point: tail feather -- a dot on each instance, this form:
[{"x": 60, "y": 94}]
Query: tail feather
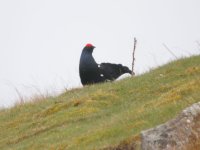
[{"x": 113, "y": 71}]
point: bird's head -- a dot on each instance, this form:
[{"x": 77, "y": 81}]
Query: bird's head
[{"x": 89, "y": 48}]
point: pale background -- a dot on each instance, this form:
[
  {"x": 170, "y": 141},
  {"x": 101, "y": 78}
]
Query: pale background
[{"x": 41, "y": 40}]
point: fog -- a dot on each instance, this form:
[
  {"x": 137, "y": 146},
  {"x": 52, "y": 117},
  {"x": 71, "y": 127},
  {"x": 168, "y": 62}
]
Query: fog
[{"x": 41, "y": 40}]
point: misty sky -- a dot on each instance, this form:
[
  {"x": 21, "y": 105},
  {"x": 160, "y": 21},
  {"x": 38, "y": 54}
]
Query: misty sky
[{"x": 41, "y": 40}]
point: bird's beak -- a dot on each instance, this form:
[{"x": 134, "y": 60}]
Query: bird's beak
[{"x": 94, "y": 47}]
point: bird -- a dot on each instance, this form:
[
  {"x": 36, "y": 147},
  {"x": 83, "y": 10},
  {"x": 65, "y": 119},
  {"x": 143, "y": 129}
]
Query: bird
[{"x": 90, "y": 72}]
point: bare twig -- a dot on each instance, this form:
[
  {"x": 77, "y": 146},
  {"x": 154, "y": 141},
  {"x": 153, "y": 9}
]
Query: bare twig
[
  {"x": 198, "y": 44},
  {"x": 21, "y": 99},
  {"x": 170, "y": 51},
  {"x": 133, "y": 62}
]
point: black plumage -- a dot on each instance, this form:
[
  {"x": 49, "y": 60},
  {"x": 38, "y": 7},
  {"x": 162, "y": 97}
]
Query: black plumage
[{"x": 90, "y": 72}]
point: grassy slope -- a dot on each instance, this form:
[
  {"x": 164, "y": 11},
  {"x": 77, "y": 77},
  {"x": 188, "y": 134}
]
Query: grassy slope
[{"x": 103, "y": 115}]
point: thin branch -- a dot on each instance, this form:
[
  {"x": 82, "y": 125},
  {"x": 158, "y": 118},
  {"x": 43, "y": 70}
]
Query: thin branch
[
  {"x": 198, "y": 44},
  {"x": 133, "y": 62},
  {"x": 21, "y": 99},
  {"x": 170, "y": 51}
]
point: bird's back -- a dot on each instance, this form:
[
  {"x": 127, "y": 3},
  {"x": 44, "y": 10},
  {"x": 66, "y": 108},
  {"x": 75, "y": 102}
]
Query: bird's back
[{"x": 113, "y": 71}]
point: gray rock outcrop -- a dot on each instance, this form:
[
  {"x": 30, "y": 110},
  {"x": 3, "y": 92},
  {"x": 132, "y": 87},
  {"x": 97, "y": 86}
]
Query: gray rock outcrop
[{"x": 181, "y": 133}]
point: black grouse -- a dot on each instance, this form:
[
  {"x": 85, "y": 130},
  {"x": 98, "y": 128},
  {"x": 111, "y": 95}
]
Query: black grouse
[{"x": 90, "y": 72}]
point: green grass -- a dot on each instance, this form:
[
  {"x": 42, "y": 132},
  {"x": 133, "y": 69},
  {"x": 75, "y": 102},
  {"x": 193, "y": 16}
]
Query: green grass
[{"x": 102, "y": 115}]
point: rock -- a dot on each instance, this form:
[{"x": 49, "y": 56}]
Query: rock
[{"x": 181, "y": 133}]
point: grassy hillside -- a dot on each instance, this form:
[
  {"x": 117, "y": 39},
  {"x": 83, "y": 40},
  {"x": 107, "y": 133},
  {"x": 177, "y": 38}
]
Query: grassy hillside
[{"x": 104, "y": 115}]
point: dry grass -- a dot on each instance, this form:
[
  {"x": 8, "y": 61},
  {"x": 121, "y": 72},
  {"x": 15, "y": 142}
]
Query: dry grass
[{"x": 101, "y": 116}]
